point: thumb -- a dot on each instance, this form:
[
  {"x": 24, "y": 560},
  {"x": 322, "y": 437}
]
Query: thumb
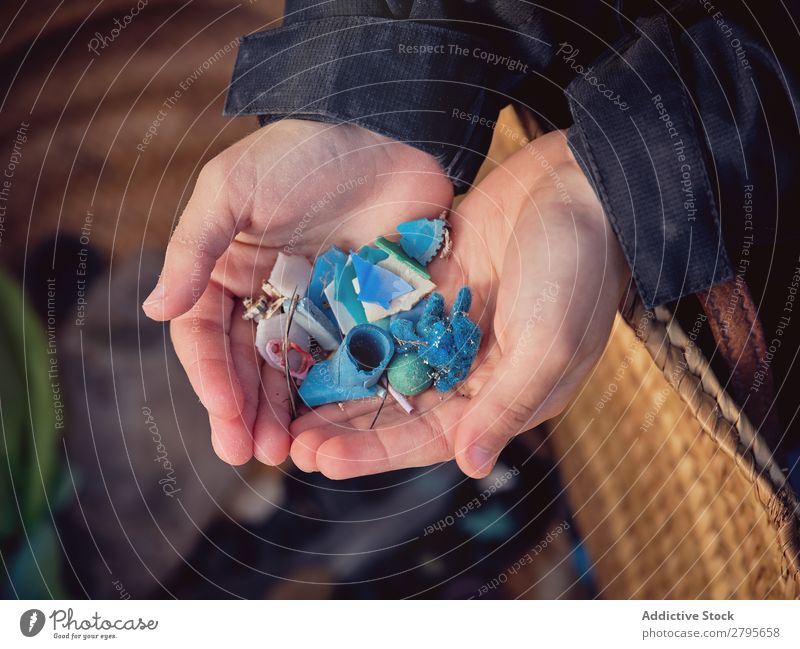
[
  {"x": 205, "y": 230},
  {"x": 514, "y": 399}
]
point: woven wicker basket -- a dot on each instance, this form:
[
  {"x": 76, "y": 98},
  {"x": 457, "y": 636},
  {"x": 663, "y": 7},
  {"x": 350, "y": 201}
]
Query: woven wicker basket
[{"x": 674, "y": 492}]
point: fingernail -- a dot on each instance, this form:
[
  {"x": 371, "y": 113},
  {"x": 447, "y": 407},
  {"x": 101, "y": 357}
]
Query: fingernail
[
  {"x": 480, "y": 458},
  {"x": 156, "y": 296}
]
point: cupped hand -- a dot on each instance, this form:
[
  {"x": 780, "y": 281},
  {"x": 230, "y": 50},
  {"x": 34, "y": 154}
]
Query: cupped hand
[
  {"x": 293, "y": 186},
  {"x": 547, "y": 274}
]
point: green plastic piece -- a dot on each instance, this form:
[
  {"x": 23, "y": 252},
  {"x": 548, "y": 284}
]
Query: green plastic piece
[
  {"x": 396, "y": 251},
  {"x": 408, "y": 374}
]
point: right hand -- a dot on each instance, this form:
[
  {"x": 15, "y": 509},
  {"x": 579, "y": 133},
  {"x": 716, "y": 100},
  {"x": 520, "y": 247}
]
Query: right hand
[
  {"x": 546, "y": 271},
  {"x": 252, "y": 201}
]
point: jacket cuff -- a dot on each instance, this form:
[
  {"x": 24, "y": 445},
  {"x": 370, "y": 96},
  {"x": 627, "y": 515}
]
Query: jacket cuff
[
  {"x": 644, "y": 157},
  {"x": 409, "y": 81}
]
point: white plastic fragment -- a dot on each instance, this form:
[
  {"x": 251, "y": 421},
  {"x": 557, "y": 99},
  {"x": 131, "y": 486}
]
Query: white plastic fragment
[
  {"x": 401, "y": 399},
  {"x": 289, "y": 274}
]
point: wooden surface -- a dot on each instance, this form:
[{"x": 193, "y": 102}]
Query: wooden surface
[{"x": 88, "y": 113}]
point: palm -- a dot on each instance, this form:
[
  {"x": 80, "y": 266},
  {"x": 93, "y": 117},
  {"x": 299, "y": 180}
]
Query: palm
[
  {"x": 351, "y": 446},
  {"x": 295, "y": 187},
  {"x": 546, "y": 277}
]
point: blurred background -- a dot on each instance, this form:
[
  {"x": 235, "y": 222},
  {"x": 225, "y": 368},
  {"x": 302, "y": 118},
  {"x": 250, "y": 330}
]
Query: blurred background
[{"x": 108, "y": 484}]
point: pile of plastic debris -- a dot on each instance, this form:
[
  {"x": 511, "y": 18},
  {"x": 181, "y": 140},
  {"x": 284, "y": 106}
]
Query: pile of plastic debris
[{"x": 359, "y": 325}]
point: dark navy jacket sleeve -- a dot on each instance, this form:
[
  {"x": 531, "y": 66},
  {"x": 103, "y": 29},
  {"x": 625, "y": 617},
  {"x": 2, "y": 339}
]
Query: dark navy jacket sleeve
[
  {"x": 433, "y": 73},
  {"x": 705, "y": 108},
  {"x": 676, "y": 111}
]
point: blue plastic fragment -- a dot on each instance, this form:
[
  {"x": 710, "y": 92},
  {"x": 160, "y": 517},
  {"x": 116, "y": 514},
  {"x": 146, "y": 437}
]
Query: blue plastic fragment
[
  {"x": 448, "y": 344},
  {"x": 345, "y": 305},
  {"x": 421, "y": 239},
  {"x": 378, "y": 285},
  {"x": 413, "y": 314},
  {"x": 315, "y": 323},
  {"x": 353, "y": 371},
  {"x": 324, "y": 272}
]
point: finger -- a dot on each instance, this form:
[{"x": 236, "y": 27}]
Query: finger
[
  {"x": 401, "y": 441},
  {"x": 204, "y": 232},
  {"x": 509, "y": 403},
  {"x": 201, "y": 342},
  {"x": 533, "y": 350},
  {"x": 271, "y": 438},
  {"x": 326, "y": 422},
  {"x": 320, "y": 424},
  {"x": 233, "y": 437},
  {"x": 334, "y": 413},
  {"x": 231, "y": 440},
  {"x": 305, "y": 446}
]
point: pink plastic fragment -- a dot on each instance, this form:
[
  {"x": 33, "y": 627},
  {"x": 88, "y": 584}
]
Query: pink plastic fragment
[{"x": 299, "y": 367}]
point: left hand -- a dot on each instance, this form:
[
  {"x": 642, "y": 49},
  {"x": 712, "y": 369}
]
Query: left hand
[
  {"x": 296, "y": 185},
  {"x": 547, "y": 274}
]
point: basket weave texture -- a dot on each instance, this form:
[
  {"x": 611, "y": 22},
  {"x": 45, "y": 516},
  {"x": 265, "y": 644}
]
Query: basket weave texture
[{"x": 673, "y": 490}]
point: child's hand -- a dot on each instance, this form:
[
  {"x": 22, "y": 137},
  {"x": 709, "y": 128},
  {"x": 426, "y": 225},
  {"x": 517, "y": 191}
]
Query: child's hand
[
  {"x": 255, "y": 199},
  {"x": 547, "y": 275}
]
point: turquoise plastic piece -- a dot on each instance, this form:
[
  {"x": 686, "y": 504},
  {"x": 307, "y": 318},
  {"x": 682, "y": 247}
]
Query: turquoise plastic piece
[
  {"x": 372, "y": 255},
  {"x": 324, "y": 272},
  {"x": 447, "y": 343},
  {"x": 408, "y": 374},
  {"x": 378, "y": 285},
  {"x": 421, "y": 239},
  {"x": 347, "y": 308},
  {"x": 353, "y": 371}
]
